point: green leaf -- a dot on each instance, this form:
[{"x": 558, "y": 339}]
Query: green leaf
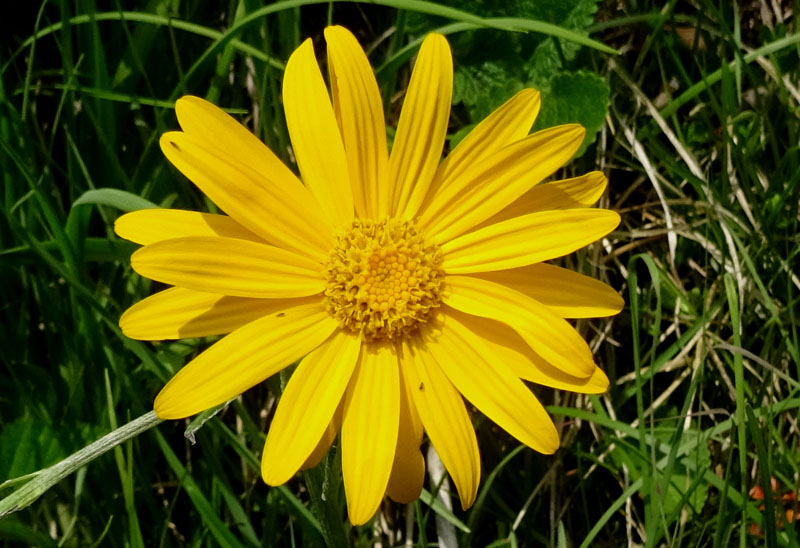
[
  {"x": 12, "y": 530},
  {"x": 200, "y": 420},
  {"x": 436, "y": 505},
  {"x": 685, "y": 487},
  {"x": 216, "y": 527},
  {"x": 580, "y": 97},
  {"x": 551, "y": 54},
  {"x": 484, "y": 87},
  {"x": 101, "y": 250},
  {"x": 486, "y": 77},
  {"x": 28, "y": 445},
  {"x": 115, "y": 198},
  {"x": 31, "y": 443},
  {"x": 38, "y": 483},
  {"x": 684, "y": 484}
]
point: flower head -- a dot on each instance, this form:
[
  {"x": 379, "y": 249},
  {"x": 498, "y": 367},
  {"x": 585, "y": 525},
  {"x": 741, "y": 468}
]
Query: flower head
[{"x": 402, "y": 284}]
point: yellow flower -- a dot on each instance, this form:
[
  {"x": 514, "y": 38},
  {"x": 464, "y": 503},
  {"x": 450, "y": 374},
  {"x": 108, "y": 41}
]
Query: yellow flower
[{"x": 399, "y": 282}]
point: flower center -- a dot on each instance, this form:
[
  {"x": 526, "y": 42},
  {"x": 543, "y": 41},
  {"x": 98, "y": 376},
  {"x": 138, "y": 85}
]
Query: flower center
[{"x": 383, "y": 279}]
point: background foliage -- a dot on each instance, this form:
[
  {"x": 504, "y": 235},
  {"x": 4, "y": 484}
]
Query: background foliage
[{"x": 696, "y": 124}]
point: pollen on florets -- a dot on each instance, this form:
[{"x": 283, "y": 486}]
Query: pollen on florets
[{"x": 384, "y": 280}]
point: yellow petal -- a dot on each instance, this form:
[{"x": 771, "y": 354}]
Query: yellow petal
[
  {"x": 510, "y": 122},
  {"x": 547, "y": 334},
  {"x": 498, "y": 180},
  {"x": 577, "y": 192},
  {"x": 244, "y": 358},
  {"x": 369, "y": 430},
  {"x": 422, "y": 127},
  {"x": 527, "y": 239},
  {"x": 315, "y": 136},
  {"x": 179, "y": 313},
  {"x": 491, "y": 386},
  {"x": 567, "y": 293},
  {"x": 307, "y": 406},
  {"x": 408, "y": 468},
  {"x": 285, "y": 215},
  {"x": 583, "y": 191},
  {"x": 445, "y": 418},
  {"x": 510, "y": 349},
  {"x": 229, "y": 267},
  {"x": 327, "y": 438},
  {"x": 359, "y": 110},
  {"x": 227, "y": 138},
  {"x": 148, "y": 226}
]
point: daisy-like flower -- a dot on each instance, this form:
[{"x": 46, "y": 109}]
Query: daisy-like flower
[{"x": 399, "y": 282}]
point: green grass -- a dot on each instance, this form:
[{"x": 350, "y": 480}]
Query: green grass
[{"x": 698, "y": 122}]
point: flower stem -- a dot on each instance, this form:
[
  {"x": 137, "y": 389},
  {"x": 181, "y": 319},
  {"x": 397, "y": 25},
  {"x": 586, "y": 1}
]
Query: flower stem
[{"x": 47, "y": 477}]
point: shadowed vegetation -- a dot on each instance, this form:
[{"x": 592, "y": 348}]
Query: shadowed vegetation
[{"x": 696, "y": 122}]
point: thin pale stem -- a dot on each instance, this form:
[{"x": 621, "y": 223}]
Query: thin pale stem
[{"x": 47, "y": 477}]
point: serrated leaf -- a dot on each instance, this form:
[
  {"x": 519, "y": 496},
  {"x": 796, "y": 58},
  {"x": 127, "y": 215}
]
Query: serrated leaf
[
  {"x": 485, "y": 77},
  {"x": 484, "y": 87},
  {"x": 579, "y": 97},
  {"x": 550, "y": 54}
]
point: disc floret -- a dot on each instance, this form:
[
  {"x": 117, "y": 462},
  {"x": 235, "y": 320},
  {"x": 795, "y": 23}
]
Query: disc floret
[{"x": 384, "y": 280}]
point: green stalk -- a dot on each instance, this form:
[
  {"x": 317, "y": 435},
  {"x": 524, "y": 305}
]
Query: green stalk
[{"x": 46, "y": 478}]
